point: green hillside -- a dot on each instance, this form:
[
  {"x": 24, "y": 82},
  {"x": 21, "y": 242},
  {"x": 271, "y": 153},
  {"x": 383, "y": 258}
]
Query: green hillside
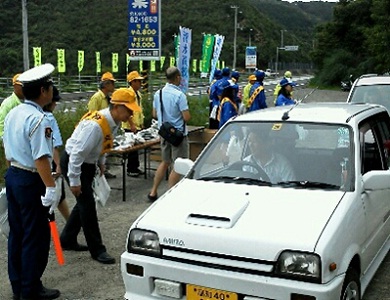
[{"x": 100, "y": 25}]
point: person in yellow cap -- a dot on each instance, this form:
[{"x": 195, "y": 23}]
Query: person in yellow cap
[
  {"x": 100, "y": 100},
  {"x": 85, "y": 150},
  {"x": 12, "y": 101},
  {"x": 247, "y": 88},
  {"x": 287, "y": 75},
  {"x": 135, "y": 123}
]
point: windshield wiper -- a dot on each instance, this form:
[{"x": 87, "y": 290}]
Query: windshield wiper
[
  {"x": 309, "y": 184},
  {"x": 236, "y": 180}
]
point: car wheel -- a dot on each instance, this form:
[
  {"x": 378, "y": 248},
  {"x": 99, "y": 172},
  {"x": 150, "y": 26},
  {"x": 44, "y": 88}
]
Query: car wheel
[{"x": 351, "y": 286}]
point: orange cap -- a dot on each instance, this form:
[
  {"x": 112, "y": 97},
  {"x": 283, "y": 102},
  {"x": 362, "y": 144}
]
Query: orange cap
[
  {"x": 252, "y": 77},
  {"x": 108, "y": 76},
  {"x": 134, "y": 75},
  {"x": 125, "y": 97},
  {"x": 15, "y": 80}
]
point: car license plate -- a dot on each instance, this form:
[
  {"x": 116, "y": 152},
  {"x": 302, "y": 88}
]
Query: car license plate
[{"x": 195, "y": 292}]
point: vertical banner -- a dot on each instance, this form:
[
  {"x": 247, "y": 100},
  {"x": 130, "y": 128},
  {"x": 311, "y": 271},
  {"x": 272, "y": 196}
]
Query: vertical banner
[
  {"x": 162, "y": 61},
  {"x": 184, "y": 57},
  {"x": 98, "y": 63},
  {"x": 217, "y": 51},
  {"x": 171, "y": 61},
  {"x": 250, "y": 58},
  {"x": 200, "y": 65},
  {"x": 80, "y": 60},
  {"x": 141, "y": 65},
  {"x": 127, "y": 62},
  {"x": 61, "y": 60},
  {"x": 115, "y": 58},
  {"x": 176, "y": 45},
  {"x": 194, "y": 65},
  {"x": 152, "y": 66},
  {"x": 207, "y": 52},
  {"x": 37, "y": 51}
]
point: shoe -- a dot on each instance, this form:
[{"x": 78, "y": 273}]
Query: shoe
[
  {"x": 133, "y": 174},
  {"x": 45, "y": 294},
  {"x": 109, "y": 175},
  {"x": 105, "y": 258},
  {"x": 76, "y": 247},
  {"x": 152, "y": 198}
]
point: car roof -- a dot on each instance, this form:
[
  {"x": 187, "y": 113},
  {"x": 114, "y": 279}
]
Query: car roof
[
  {"x": 316, "y": 112},
  {"x": 371, "y": 79}
]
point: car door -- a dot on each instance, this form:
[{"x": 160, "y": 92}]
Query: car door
[{"x": 373, "y": 135}]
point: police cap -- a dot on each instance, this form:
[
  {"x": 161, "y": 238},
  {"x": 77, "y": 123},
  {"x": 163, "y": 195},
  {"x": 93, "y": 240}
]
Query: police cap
[{"x": 36, "y": 75}]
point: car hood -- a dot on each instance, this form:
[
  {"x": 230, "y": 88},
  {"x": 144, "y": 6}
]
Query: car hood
[{"x": 238, "y": 219}]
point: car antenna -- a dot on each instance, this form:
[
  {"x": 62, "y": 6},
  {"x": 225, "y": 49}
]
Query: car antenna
[{"x": 285, "y": 114}]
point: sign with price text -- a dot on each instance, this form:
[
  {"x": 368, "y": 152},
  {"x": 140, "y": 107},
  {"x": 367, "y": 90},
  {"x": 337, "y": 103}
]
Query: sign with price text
[{"x": 144, "y": 29}]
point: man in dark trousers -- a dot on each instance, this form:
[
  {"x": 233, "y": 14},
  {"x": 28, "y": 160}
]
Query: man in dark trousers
[
  {"x": 84, "y": 151},
  {"x": 28, "y": 144}
]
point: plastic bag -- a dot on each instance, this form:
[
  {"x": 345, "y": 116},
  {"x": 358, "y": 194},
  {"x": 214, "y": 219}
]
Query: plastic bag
[
  {"x": 4, "y": 225},
  {"x": 101, "y": 189}
]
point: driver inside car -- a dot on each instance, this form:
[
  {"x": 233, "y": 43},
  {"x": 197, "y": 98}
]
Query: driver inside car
[{"x": 275, "y": 165}]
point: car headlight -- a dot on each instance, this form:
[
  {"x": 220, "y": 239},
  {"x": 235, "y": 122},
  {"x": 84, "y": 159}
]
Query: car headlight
[
  {"x": 299, "y": 265},
  {"x": 143, "y": 242}
]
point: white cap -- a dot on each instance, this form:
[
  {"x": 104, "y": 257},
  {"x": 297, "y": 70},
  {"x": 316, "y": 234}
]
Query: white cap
[{"x": 36, "y": 73}]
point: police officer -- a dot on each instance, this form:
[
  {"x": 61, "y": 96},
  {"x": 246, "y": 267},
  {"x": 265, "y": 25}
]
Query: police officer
[
  {"x": 30, "y": 186},
  {"x": 86, "y": 148}
]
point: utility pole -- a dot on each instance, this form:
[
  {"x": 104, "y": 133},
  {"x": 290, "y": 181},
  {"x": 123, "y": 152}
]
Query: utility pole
[
  {"x": 235, "y": 7},
  {"x": 26, "y": 59}
]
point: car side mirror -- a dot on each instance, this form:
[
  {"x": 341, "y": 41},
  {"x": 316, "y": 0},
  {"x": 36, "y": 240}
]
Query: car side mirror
[
  {"x": 183, "y": 165},
  {"x": 376, "y": 180}
]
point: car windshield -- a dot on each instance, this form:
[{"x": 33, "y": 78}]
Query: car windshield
[
  {"x": 376, "y": 94},
  {"x": 298, "y": 155}
]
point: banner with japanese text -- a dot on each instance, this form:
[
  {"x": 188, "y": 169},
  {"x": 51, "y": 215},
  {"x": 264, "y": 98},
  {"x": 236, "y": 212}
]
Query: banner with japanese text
[
  {"x": 98, "y": 63},
  {"x": 207, "y": 52},
  {"x": 184, "y": 57},
  {"x": 194, "y": 65},
  {"x": 162, "y": 61},
  {"x": 61, "y": 65},
  {"x": 37, "y": 51},
  {"x": 80, "y": 60},
  {"x": 115, "y": 58},
  {"x": 217, "y": 52},
  {"x": 127, "y": 62},
  {"x": 171, "y": 61},
  {"x": 152, "y": 66}
]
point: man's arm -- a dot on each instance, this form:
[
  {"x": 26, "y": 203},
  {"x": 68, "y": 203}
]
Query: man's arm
[
  {"x": 44, "y": 170},
  {"x": 186, "y": 115}
]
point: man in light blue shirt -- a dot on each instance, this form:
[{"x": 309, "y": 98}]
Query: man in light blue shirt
[{"x": 174, "y": 110}]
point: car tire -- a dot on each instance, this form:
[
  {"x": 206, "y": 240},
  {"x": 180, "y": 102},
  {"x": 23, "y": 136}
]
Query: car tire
[{"x": 351, "y": 286}]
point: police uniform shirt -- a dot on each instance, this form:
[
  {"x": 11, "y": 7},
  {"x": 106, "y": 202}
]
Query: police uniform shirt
[
  {"x": 57, "y": 139},
  {"x": 85, "y": 146},
  {"x": 27, "y": 135}
]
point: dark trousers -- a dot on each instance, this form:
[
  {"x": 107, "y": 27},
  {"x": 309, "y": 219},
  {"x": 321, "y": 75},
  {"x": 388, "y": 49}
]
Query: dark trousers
[
  {"x": 132, "y": 159},
  {"x": 29, "y": 237},
  {"x": 84, "y": 212}
]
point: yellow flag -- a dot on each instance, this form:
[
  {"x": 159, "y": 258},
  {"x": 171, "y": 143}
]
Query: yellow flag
[
  {"x": 153, "y": 66},
  {"x": 141, "y": 65},
  {"x": 98, "y": 63},
  {"x": 37, "y": 56},
  {"x": 115, "y": 62},
  {"x": 61, "y": 65},
  {"x": 194, "y": 64},
  {"x": 171, "y": 61},
  {"x": 162, "y": 60},
  {"x": 80, "y": 60}
]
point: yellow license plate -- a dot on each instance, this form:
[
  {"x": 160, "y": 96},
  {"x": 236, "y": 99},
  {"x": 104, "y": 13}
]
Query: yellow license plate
[{"x": 195, "y": 292}]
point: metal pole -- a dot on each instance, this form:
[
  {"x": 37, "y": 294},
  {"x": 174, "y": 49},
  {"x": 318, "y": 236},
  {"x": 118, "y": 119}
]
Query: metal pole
[
  {"x": 235, "y": 36},
  {"x": 26, "y": 59},
  {"x": 276, "y": 61}
]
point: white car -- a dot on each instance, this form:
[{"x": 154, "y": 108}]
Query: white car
[{"x": 284, "y": 203}]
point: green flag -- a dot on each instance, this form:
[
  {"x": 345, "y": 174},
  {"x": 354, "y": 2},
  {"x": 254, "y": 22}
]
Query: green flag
[
  {"x": 37, "y": 56},
  {"x": 153, "y": 66},
  {"x": 61, "y": 65},
  {"x": 115, "y": 62},
  {"x": 98, "y": 63},
  {"x": 127, "y": 62},
  {"x": 207, "y": 52},
  {"x": 171, "y": 61},
  {"x": 141, "y": 65},
  {"x": 80, "y": 60}
]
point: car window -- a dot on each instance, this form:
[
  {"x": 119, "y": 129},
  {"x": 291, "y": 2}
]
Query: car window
[
  {"x": 284, "y": 151},
  {"x": 375, "y": 94}
]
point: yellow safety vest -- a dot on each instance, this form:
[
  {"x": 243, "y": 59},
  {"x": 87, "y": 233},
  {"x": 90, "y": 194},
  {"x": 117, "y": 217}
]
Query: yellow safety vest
[{"x": 254, "y": 95}]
